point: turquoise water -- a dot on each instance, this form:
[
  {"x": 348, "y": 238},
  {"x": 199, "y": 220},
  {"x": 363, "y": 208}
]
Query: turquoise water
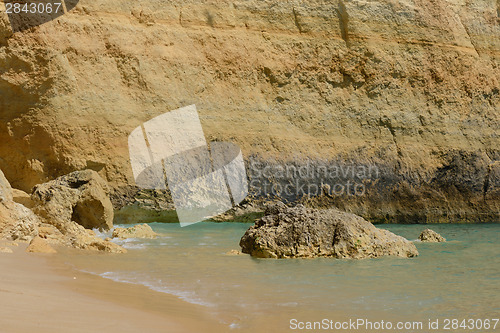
[{"x": 458, "y": 279}]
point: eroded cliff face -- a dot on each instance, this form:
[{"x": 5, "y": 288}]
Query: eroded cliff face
[{"x": 411, "y": 87}]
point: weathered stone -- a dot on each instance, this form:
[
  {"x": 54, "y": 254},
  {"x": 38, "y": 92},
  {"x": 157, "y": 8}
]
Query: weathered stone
[
  {"x": 72, "y": 203},
  {"x": 16, "y": 221},
  {"x": 39, "y": 245},
  {"x": 24, "y": 224},
  {"x": 87, "y": 240},
  {"x": 5, "y": 189},
  {"x": 81, "y": 196},
  {"x": 138, "y": 231},
  {"x": 300, "y": 232},
  {"x": 78, "y": 197},
  {"x": 23, "y": 198},
  {"x": 431, "y": 236}
]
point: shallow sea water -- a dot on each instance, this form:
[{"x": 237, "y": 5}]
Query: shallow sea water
[{"x": 459, "y": 279}]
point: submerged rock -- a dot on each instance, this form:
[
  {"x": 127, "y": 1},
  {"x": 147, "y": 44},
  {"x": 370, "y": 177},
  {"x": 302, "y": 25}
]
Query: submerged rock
[
  {"x": 138, "y": 231},
  {"x": 233, "y": 253},
  {"x": 431, "y": 236},
  {"x": 81, "y": 196},
  {"x": 300, "y": 232}
]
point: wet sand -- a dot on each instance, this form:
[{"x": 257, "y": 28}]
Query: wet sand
[{"x": 39, "y": 293}]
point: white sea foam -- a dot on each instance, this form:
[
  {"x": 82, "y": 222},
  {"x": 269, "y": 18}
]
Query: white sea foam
[
  {"x": 103, "y": 234},
  {"x": 187, "y": 296}
]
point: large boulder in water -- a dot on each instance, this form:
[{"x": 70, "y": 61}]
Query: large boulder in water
[
  {"x": 81, "y": 196},
  {"x": 301, "y": 232}
]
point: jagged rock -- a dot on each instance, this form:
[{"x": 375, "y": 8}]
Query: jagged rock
[
  {"x": 72, "y": 203},
  {"x": 39, "y": 245},
  {"x": 431, "y": 236},
  {"x": 16, "y": 221},
  {"x": 81, "y": 196},
  {"x": 22, "y": 197},
  {"x": 138, "y": 231},
  {"x": 24, "y": 225},
  {"x": 78, "y": 197},
  {"x": 87, "y": 240},
  {"x": 300, "y": 232}
]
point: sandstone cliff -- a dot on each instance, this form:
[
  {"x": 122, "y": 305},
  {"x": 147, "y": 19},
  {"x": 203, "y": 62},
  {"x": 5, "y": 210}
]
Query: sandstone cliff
[{"x": 410, "y": 87}]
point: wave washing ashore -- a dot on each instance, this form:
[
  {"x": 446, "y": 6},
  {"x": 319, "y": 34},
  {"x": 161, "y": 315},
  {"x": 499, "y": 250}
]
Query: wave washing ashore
[{"x": 458, "y": 279}]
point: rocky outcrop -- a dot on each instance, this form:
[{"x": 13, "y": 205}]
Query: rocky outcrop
[
  {"x": 21, "y": 225},
  {"x": 39, "y": 245},
  {"x": 81, "y": 196},
  {"x": 86, "y": 239},
  {"x": 71, "y": 206},
  {"x": 16, "y": 221},
  {"x": 431, "y": 236},
  {"x": 410, "y": 87},
  {"x": 305, "y": 233},
  {"x": 138, "y": 231}
]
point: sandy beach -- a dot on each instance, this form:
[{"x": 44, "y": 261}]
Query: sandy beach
[{"x": 38, "y": 293}]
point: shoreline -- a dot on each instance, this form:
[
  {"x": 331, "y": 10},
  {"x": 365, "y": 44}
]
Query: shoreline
[{"x": 41, "y": 292}]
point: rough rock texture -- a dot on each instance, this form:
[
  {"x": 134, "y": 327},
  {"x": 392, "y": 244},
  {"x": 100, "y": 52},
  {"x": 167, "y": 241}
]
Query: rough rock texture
[
  {"x": 39, "y": 245},
  {"x": 138, "y": 231},
  {"x": 55, "y": 202},
  {"x": 81, "y": 196},
  {"x": 431, "y": 236},
  {"x": 16, "y": 221},
  {"x": 86, "y": 239},
  {"x": 300, "y": 232},
  {"x": 70, "y": 204},
  {"x": 23, "y": 198},
  {"x": 409, "y": 86}
]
